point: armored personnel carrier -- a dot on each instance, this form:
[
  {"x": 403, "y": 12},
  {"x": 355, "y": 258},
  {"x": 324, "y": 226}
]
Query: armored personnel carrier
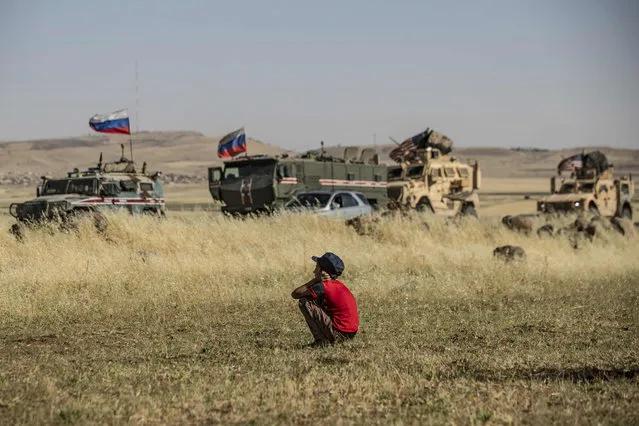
[
  {"x": 109, "y": 186},
  {"x": 590, "y": 187},
  {"x": 429, "y": 179},
  {"x": 260, "y": 183}
]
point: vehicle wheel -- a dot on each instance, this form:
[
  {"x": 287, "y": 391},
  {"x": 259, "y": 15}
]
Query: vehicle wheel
[
  {"x": 626, "y": 213},
  {"x": 593, "y": 210},
  {"x": 469, "y": 210},
  {"x": 423, "y": 206}
]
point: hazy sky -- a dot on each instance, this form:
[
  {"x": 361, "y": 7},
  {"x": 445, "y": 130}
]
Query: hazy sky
[{"x": 486, "y": 73}]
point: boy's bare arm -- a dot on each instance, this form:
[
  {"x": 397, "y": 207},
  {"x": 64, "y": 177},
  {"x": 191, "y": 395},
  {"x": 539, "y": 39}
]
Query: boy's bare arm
[{"x": 302, "y": 291}]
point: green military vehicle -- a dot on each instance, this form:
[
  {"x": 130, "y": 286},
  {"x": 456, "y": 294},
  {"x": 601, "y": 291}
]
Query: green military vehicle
[
  {"x": 109, "y": 186},
  {"x": 428, "y": 179},
  {"x": 260, "y": 183},
  {"x": 590, "y": 187}
]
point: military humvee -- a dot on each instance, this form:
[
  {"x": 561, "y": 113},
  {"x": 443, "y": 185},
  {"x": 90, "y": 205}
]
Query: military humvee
[
  {"x": 260, "y": 183},
  {"x": 591, "y": 188},
  {"x": 109, "y": 186},
  {"x": 428, "y": 179}
]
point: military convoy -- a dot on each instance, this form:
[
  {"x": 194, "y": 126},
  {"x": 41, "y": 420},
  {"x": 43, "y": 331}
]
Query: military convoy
[
  {"x": 260, "y": 183},
  {"x": 591, "y": 187},
  {"x": 115, "y": 185},
  {"x": 428, "y": 179}
]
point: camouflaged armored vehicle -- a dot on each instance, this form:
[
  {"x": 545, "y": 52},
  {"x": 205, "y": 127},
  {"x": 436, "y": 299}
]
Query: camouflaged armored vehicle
[
  {"x": 260, "y": 183},
  {"x": 591, "y": 187},
  {"x": 429, "y": 179},
  {"x": 109, "y": 186}
]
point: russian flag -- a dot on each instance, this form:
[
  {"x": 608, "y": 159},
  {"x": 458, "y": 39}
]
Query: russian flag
[
  {"x": 116, "y": 122},
  {"x": 232, "y": 144}
]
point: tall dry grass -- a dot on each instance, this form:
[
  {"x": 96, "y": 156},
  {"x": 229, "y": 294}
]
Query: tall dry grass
[
  {"x": 208, "y": 258},
  {"x": 189, "y": 319}
]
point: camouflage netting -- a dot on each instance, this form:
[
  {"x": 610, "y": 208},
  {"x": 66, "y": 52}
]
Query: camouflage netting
[
  {"x": 595, "y": 160},
  {"x": 437, "y": 140},
  {"x": 120, "y": 167},
  {"x": 428, "y": 138}
]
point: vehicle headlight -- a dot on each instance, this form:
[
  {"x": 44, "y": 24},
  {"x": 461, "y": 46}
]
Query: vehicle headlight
[{"x": 577, "y": 203}]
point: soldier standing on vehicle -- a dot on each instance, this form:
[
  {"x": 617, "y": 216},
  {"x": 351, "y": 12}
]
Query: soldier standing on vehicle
[{"x": 327, "y": 304}]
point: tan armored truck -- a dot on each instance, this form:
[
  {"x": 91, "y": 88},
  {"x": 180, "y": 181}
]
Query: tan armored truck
[
  {"x": 428, "y": 179},
  {"x": 591, "y": 187}
]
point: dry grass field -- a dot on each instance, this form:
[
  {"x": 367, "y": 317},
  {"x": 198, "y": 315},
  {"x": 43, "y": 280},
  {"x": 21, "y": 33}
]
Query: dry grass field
[{"x": 189, "y": 321}]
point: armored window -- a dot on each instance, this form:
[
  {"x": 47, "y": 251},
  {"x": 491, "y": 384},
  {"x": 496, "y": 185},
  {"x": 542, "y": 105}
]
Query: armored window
[
  {"x": 378, "y": 178},
  {"x": 82, "y": 186},
  {"x": 128, "y": 185},
  {"x": 625, "y": 190},
  {"x": 110, "y": 189},
  {"x": 351, "y": 176},
  {"x": 284, "y": 171},
  {"x": 215, "y": 174},
  {"x": 53, "y": 187},
  {"x": 348, "y": 201},
  {"x": 394, "y": 173},
  {"x": 415, "y": 171},
  {"x": 436, "y": 173},
  {"x": 464, "y": 173},
  {"x": 231, "y": 172},
  {"x": 146, "y": 186},
  {"x": 450, "y": 172}
]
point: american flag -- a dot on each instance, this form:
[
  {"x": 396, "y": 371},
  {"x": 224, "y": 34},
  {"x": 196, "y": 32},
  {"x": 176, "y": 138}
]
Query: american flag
[
  {"x": 570, "y": 164},
  {"x": 405, "y": 148}
]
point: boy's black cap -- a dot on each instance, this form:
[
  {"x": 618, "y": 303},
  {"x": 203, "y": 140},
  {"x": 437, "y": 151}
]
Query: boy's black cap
[{"x": 331, "y": 263}]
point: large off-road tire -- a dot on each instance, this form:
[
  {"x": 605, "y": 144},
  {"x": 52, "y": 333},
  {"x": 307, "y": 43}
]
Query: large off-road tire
[
  {"x": 469, "y": 210},
  {"x": 626, "y": 213},
  {"x": 593, "y": 210},
  {"x": 424, "y": 206}
]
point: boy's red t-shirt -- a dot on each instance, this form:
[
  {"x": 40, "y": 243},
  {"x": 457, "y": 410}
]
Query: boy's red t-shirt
[{"x": 339, "y": 303}]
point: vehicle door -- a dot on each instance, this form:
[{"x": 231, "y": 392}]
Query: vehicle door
[
  {"x": 215, "y": 180},
  {"x": 606, "y": 199},
  {"x": 436, "y": 186},
  {"x": 286, "y": 180},
  {"x": 348, "y": 207}
]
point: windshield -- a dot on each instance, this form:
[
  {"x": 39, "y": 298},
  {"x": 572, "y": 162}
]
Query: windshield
[
  {"x": 53, "y": 187},
  {"x": 394, "y": 173},
  {"x": 311, "y": 200},
  {"x": 573, "y": 187},
  {"x": 236, "y": 171},
  {"x": 415, "y": 171},
  {"x": 70, "y": 186}
]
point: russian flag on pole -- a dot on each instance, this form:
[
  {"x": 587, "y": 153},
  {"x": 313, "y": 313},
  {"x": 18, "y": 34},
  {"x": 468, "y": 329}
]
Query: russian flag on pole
[
  {"x": 116, "y": 122},
  {"x": 232, "y": 144}
]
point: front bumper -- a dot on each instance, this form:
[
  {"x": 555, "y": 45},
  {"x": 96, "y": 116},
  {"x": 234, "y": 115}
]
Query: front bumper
[{"x": 560, "y": 207}]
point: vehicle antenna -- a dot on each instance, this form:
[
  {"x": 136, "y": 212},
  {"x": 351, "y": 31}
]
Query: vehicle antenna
[{"x": 100, "y": 162}]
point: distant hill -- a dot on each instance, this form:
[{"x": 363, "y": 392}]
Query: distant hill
[
  {"x": 190, "y": 153},
  {"x": 172, "y": 152}
]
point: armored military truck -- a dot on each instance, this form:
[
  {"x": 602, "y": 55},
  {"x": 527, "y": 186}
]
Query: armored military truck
[
  {"x": 590, "y": 187},
  {"x": 429, "y": 179},
  {"x": 109, "y": 186},
  {"x": 260, "y": 183}
]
